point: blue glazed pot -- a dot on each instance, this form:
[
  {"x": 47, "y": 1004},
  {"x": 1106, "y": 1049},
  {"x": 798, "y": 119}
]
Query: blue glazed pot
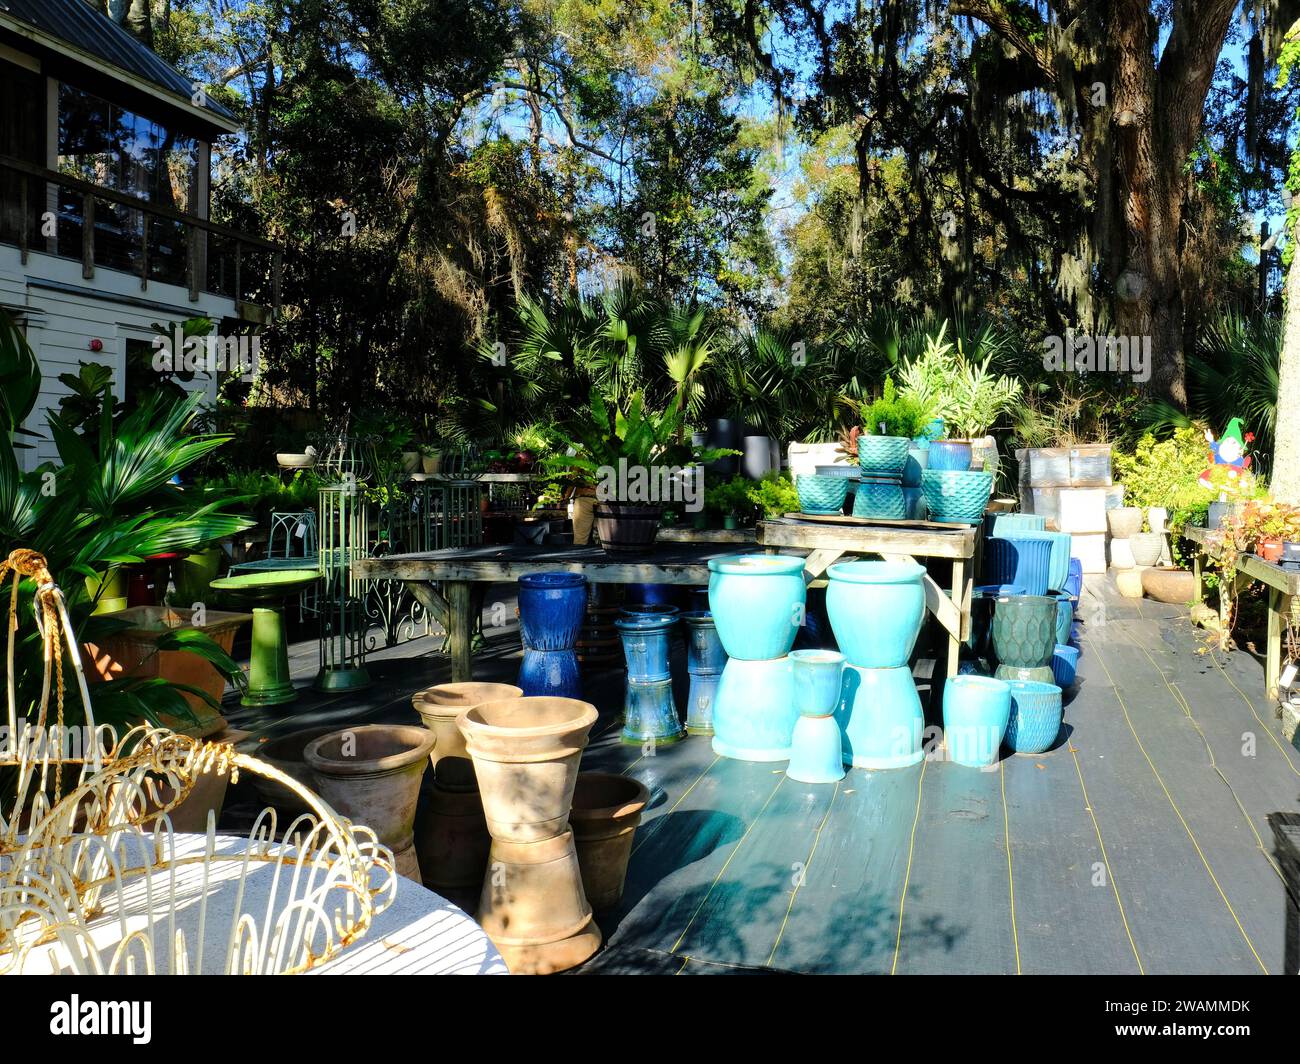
[
  {"x": 816, "y": 681},
  {"x": 650, "y": 714},
  {"x": 953, "y": 495},
  {"x": 700, "y": 700},
  {"x": 1035, "y": 718},
  {"x": 885, "y": 501},
  {"x": 1074, "y": 581},
  {"x": 649, "y": 609},
  {"x": 950, "y": 454},
  {"x": 876, "y": 610},
  {"x": 918, "y": 460},
  {"x": 754, "y": 716},
  {"x": 1058, "y": 568},
  {"x": 652, "y": 594},
  {"x": 883, "y": 455},
  {"x": 982, "y": 613},
  {"x": 1018, "y": 559},
  {"x": 551, "y": 608},
  {"x": 757, "y": 602},
  {"x": 821, "y": 494},
  {"x": 1000, "y": 524},
  {"x": 816, "y": 754},
  {"x": 550, "y": 672},
  {"x": 1065, "y": 663},
  {"x": 704, "y": 651},
  {"x": 880, "y": 718},
  {"x": 914, "y": 501},
  {"x": 645, "y": 646},
  {"x": 1064, "y": 615},
  {"x": 1024, "y": 630},
  {"x": 975, "y": 714}
]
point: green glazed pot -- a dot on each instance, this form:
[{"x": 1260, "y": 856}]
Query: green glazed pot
[{"x": 1024, "y": 631}]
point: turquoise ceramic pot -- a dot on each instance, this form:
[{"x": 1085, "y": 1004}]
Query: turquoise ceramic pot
[
  {"x": 884, "y": 501},
  {"x": 754, "y": 716},
  {"x": 876, "y": 610},
  {"x": 934, "y": 430},
  {"x": 821, "y": 494},
  {"x": 918, "y": 460},
  {"x": 880, "y": 717},
  {"x": 883, "y": 455},
  {"x": 1058, "y": 565},
  {"x": 914, "y": 501},
  {"x": 645, "y": 646},
  {"x": 1014, "y": 558},
  {"x": 949, "y": 454},
  {"x": 1037, "y": 674},
  {"x": 998, "y": 524},
  {"x": 1064, "y": 615},
  {"x": 1035, "y": 719},
  {"x": 1024, "y": 630},
  {"x": 1065, "y": 663},
  {"x": 650, "y": 714},
  {"x": 757, "y": 602},
  {"x": 815, "y": 751},
  {"x": 816, "y": 681},
  {"x": 954, "y": 495},
  {"x": 975, "y": 714}
]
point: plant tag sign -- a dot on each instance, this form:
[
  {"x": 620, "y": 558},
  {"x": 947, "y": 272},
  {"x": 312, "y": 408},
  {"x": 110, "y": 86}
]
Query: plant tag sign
[
  {"x": 1288, "y": 674},
  {"x": 300, "y": 530}
]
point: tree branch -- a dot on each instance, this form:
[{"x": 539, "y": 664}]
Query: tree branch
[{"x": 1017, "y": 28}]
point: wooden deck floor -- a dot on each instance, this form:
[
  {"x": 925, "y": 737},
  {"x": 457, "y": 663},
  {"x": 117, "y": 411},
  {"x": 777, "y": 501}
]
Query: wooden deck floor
[{"x": 1138, "y": 844}]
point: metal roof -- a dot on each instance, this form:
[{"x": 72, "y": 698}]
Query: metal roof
[{"x": 78, "y": 24}]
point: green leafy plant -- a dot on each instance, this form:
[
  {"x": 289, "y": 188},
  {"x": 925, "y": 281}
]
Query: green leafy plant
[
  {"x": 775, "y": 494},
  {"x": 894, "y": 414},
  {"x": 967, "y": 393},
  {"x": 1164, "y": 472},
  {"x": 730, "y": 497}
]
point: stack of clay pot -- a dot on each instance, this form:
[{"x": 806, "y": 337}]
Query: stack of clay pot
[
  {"x": 1133, "y": 551},
  {"x": 533, "y": 905}
]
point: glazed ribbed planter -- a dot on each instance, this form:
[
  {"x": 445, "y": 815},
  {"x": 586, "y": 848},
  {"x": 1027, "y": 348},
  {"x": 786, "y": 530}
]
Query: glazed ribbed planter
[
  {"x": 286, "y": 753},
  {"x": 550, "y": 674},
  {"x": 757, "y": 602},
  {"x": 755, "y": 712},
  {"x": 452, "y": 838},
  {"x": 606, "y": 811},
  {"x": 1014, "y": 558},
  {"x": 918, "y": 460},
  {"x": 551, "y": 609},
  {"x": 1035, "y": 718},
  {"x": 975, "y": 714},
  {"x": 1124, "y": 521},
  {"x": 705, "y": 660},
  {"x": 526, "y": 753},
  {"x": 1057, "y": 571},
  {"x": 626, "y": 527},
  {"x": 821, "y": 494},
  {"x": 950, "y": 454},
  {"x": 440, "y": 705},
  {"x": 1146, "y": 547},
  {"x": 371, "y": 775},
  {"x": 880, "y": 718},
  {"x": 1000, "y": 524},
  {"x": 876, "y": 610},
  {"x": 1065, "y": 663},
  {"x": 1024, "y": 630},
  {"x": 883, "y": 455},
  {"x": 1037, "y": 674},
  {"x": 1074, "y": 579},
  {"x": 953, "y": 495},
  {"x": 881, "y": 500}
]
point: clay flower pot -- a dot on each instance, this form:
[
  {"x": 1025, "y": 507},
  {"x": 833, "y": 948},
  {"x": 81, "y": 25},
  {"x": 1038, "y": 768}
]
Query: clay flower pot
[
  {"x": 1269, "y": 548},
  {"x": 371, "y": 775},
  {"x": 1147, "y": 547},
  {"x": 606, "y": 811},
  {"x": 287, "y": 754},
  {"x": 1169, "y": 584},
  {"x": 1124, "y": 521},
  {"x": 440, "y": 705},
  {"x": 526, "y": 753},
  {"x": 452, "y": 839}
]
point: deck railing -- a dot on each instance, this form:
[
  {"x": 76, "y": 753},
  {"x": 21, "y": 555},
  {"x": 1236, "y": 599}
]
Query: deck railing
[{"x": 43, "y": 210}]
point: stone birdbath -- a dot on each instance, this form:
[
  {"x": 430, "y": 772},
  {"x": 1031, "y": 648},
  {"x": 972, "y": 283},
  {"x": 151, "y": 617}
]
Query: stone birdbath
[{"x": 266, "y": 593}]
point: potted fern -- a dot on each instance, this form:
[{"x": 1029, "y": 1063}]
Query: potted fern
[{"x": 889, "y": 424}]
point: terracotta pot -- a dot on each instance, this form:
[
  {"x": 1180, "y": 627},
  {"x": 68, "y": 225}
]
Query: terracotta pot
[
  {"x": 1147, "y": 547},
  {"x": 1124, "y": 521},
  {"x": 440, "y": 705},
  {"x": 191, "y": 815},
  {"x": 606, "y": 811},
  {"x": 452, "y": 840},
  {"x": 1269, "y": 548},
  {"x": 371, "y": 775},
  {"x": 526, "y": 753},
  {"x": 287, "y": 753},
  {"x": 533, "y": 907},
  {"x": 1169, "y": 584}
]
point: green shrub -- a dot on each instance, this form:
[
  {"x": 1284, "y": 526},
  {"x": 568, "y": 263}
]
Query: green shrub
[{"x": 894, "y": 414}]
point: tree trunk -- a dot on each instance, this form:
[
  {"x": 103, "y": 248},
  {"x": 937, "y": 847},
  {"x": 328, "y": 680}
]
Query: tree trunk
[{"x": 1285, "y": 481}]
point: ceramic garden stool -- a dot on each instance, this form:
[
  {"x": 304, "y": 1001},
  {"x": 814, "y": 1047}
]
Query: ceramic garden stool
[
  {"x": 649, "y": 712},
  {"x": 1036, "y": 716},
  {"x": 269, "y": 683},
  {"x": 551, "y": 611},
  {"x": 533, "y": 906},
  {"x": 975, "y": 714},
  {"x": 705, "y": 660},
  {"x": 371, "y": 774},
  {"x": 816, "y": 750},
  {"x": 757, "y": 602}
]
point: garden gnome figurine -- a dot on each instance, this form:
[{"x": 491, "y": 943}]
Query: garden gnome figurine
[{"x": 1229, "y": 451}]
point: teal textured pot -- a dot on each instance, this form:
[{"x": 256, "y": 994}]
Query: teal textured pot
[
  {"x": 754, "y": 716},
  {"x": 949, "y": 454},
  {"x": 816, "y": 681},
  {"x": 819, "y": 494},
  {"x": 816, "y": 751},
  {"x": 954, "y": 495},
  {"x": 880, "y": 718},
  {"x": 876, "y": 610},
  {"x": 883, "y": 455},
  {"x": 1035, "y": 719},
  {"x": 757, "y": 602},
  {"x": 1064, "y": 615},
  {"x": 975, "y": 714},
  {"x": 996, "y": 524},
  {"x": 1024, "y": 630},
  {"x": 881, "y": 500},
  {"x": 1037, "y": 674}
]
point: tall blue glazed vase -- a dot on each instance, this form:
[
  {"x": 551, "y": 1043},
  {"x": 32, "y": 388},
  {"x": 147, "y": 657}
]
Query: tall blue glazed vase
[{"x": 551, "y": 610}]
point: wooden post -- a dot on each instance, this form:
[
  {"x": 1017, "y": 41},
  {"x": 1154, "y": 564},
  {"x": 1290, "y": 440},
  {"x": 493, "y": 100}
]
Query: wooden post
[
  {"x": 1273, "y": 652},
  {"x": 461, "y": 630},
  {"x": 87, "y": 236},
  {"x": 192, "y": 262}
]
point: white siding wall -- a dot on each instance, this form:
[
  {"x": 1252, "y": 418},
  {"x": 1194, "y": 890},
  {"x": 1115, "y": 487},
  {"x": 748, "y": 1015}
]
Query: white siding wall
[{"x": 62, "y": 322}]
